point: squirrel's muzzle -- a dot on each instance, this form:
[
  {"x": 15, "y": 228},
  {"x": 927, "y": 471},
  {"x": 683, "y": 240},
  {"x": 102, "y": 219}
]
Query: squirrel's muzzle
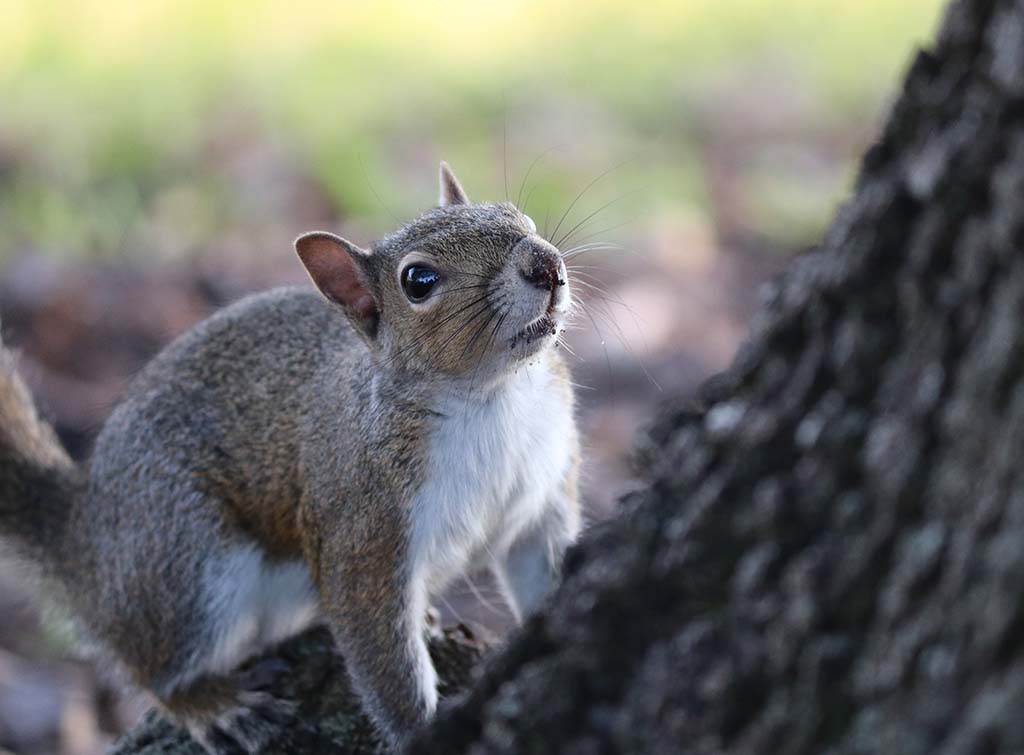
[{"x": 541, "y": 264}]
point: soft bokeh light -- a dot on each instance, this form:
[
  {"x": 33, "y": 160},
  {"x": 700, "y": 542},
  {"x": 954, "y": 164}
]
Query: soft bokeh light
[{"x": 108, "y": 106}]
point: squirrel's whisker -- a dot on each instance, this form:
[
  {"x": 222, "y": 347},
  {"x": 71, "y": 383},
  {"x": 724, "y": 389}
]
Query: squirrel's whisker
[
  {"x": 422, "y": 339},
  {"x": 526, "y": 178},
  {"x": 568, "y": 235},
  {"x": 609, "y": 229},
  {"x": 588, "y": 248},
  {"x": 579, "y": 196},
  {"x": 448, "y": 291},
  {"x": 610, "y": 320}
]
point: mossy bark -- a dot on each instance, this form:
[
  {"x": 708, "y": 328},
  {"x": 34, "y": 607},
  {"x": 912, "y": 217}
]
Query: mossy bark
[{"x": 827, "y": 553}]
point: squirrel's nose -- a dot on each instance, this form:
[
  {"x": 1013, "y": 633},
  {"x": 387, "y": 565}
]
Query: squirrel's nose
[{"x": 543, "y": 269}]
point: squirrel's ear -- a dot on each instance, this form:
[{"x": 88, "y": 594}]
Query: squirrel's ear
[
  {"x": 451, "y": 190},
  {"x": 335, "y": 265}
]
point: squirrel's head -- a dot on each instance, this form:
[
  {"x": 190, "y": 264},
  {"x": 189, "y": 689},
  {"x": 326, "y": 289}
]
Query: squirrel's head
[{"x": 464, "y": 289}]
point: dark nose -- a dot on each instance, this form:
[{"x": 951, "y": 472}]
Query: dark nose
[{"x": 543, "y": 269}]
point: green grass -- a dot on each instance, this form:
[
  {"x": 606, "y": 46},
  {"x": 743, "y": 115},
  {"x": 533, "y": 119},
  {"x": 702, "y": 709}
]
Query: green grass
[{"x": 108, "y": 106}]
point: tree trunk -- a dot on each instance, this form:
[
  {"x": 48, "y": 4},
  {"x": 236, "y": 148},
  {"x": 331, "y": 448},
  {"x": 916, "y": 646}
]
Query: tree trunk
[{"x": 827, "y": 555}]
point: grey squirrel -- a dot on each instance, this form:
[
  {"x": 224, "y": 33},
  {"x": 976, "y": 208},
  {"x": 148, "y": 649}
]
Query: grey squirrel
[{"x": 300, "y": 458}]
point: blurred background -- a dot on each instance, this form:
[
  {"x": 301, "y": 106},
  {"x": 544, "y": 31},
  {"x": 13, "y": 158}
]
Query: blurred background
[{"x": 157, "y": 158}]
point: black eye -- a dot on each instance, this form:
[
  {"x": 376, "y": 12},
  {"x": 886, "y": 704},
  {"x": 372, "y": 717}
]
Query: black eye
[{"x": 418, "y": 281}]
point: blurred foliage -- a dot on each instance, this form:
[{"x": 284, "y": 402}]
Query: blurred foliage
[{"x": 111, "y": 108}]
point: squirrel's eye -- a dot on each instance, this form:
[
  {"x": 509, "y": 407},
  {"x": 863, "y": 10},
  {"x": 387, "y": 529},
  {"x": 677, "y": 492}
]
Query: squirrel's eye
[{"x": 418, "y": 281}]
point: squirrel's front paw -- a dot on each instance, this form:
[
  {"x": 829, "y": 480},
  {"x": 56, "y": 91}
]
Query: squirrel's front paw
[
  {"x": 257, "y": 716},
  {"x": 259, "y": 719}
]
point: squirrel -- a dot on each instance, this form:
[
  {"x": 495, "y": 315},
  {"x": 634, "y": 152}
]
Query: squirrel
[{"x": 303, "y": 457}]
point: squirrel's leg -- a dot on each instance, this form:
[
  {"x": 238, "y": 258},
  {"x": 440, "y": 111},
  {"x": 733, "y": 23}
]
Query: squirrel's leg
[
  {"x": 245, "y": 603},
  {"x": 376, "y": 609},
  {"x": 527, "y": 569}
]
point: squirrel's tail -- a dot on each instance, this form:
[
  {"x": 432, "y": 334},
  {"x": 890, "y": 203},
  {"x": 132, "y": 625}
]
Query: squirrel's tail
[{"x": 37, "y": 478}]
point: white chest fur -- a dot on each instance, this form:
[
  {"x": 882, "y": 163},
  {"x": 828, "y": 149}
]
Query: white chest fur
[{"x": 495, "y": 464}]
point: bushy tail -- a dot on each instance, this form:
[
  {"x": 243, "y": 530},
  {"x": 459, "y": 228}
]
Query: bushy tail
[{"x": 37, "y": 479}]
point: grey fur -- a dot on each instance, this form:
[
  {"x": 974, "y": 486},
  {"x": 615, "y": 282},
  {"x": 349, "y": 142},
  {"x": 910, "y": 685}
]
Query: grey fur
[{"x": 277, "y": 425}]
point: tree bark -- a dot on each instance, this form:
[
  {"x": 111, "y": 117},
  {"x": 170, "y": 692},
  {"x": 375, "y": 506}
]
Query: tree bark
[{"x": 826, "y": 554}]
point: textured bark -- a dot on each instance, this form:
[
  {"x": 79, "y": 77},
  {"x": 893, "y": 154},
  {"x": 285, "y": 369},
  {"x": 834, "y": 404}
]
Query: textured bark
[{"x": 827, "y": 554}]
